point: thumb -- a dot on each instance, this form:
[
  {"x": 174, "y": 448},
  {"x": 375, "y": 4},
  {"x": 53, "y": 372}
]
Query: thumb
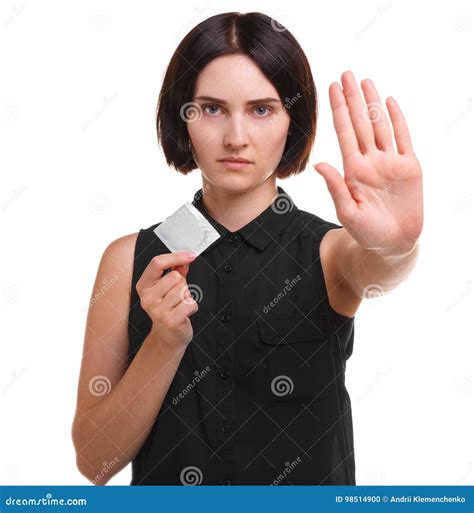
[
  {"x": 182, "y": 269},
  {"x": 336, "y": 185}
]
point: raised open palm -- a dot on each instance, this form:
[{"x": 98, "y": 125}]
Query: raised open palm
[{"x": 379, "y": 200}]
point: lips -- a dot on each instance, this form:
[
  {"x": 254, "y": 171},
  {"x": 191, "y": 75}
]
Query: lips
[
  {"x": 235, "y": 159},
  {"x": 235, "y": 163}
]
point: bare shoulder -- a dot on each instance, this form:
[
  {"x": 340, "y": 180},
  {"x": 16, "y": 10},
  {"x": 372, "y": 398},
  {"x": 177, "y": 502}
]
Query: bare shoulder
[
  {"x": 119, "y": 256},
  {"x": 341, "y": 297}
]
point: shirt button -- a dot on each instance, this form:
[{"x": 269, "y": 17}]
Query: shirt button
[
  {"x": 228, "y": 268},
  {"x": 225, "y": 427},
  {"x": 227, "y": 482},
  {"x": 225, "y": 374},
  {"x": 225, "y": 317},
  {"x": 233, "y": 239}
]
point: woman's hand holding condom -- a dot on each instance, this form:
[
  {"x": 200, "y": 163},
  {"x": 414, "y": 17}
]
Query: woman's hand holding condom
[{"x": 166, "y": 298}]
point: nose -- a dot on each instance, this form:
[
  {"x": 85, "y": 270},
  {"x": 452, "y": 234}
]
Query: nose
[{"x": 235, "y": 133}]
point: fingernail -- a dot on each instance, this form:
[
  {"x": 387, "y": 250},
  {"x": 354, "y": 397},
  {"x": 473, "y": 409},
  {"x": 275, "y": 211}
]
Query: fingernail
[{"x": 191, "y": 255}]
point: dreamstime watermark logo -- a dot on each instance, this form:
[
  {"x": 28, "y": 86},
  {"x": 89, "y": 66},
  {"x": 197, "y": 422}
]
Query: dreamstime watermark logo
[
  {"x": 100, "y": 385},
  {"x": 9, "y": 475},
  {"x": 106, "y": 467},
  {"x": 284, "y": 21},
  {"x": 190, "y": 112},
  {"x": 11, "y": 294},
  {"x": 374, "y": 111},
  {"x": 463, "y": 386},
  {"x": 282, "y": 204},
  {"x": 16, "y": 375},
  {"x": 462, "y": 21},
  {"x": 364, "y": 210},
  {"x": 11, "y": 113},
  {"x": 181, "y": 213},
  {"x": 100, "y": 21},
  {"x": 47, "y": 500},
  {"x": 289, "y": 102},
  {"x": 282, "y": 294},
  {"x": 105, "y": 287},
  {"x": 195, "y": 291},
  {"x": 200, "y": 194},
  {"x": 289, "y": 467},
  {"x": 372, "y": 291},
  {"x": 381, "y": 375},
  {"x": 191, "y": 476},
  {"x": 16, "y": 10},
  {"x": 282, "y": 385},
  {"x": 198, "y": 376},
  {"x": 98, "y": 203},
  {"x": 16, "y": 193},
  {"x": 374, "y": 475}
]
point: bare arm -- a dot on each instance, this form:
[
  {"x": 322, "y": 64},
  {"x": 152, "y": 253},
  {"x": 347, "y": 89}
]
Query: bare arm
[
  {"x": 114, "y": 429},
  {"x": 353, "y": 273},
  {"x": 116, "y": 405},
  {"x": 378, "y": 200}
]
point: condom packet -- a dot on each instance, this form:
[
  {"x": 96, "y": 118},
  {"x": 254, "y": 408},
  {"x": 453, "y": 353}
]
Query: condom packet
[{"x": 186, "y": 230}]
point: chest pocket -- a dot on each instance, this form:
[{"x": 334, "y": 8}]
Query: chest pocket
[{"x": 295, "y": 358}]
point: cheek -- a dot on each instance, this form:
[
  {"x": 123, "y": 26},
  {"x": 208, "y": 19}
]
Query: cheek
[
  {"x": 272, "y": 142},
  {"x": 203, "y": 136}
]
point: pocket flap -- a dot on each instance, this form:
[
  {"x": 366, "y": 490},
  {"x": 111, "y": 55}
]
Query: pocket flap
[{"x": 291, "y": 329}]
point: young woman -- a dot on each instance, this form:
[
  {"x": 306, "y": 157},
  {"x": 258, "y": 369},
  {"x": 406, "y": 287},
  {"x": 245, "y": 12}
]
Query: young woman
[{"x": 230, "y": 368}]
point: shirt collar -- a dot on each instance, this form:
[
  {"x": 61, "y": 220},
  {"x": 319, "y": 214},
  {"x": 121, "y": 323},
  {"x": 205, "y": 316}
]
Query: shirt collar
[{"x": 264, "y": 228}]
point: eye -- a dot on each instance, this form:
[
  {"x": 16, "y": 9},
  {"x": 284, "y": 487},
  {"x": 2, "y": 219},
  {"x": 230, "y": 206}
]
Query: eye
[
  {"x": 210, "y": 106},
  {"x": 264, "y": 114}
]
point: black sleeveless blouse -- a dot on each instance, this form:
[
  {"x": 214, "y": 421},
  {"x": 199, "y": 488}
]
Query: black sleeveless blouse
[{"x": 259, "y": 397}]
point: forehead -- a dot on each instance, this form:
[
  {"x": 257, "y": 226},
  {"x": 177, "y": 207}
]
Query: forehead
[{"x": 235, "y": 77}]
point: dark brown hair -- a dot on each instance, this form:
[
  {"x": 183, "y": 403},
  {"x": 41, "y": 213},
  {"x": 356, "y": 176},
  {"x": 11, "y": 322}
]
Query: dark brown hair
[{"x": 278, "y": 55}]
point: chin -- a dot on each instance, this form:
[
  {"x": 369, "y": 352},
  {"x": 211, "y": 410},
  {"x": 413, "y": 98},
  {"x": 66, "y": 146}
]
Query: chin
[{"x": 233, "y": 182}]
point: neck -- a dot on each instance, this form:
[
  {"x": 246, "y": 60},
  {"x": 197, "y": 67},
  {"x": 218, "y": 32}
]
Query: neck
[{"x": 234, "y": 210}]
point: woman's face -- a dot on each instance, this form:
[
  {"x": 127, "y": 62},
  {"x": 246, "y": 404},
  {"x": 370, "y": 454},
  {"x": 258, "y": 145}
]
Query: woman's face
[{"x": 240, "y": 115}]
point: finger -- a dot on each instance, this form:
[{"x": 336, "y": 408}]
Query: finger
[
  {"x": 158, "y": 264},
  {"x": 175, "y": 296},
  {"x": 357, "y": 109},
  {"x": 338, "y": 189},
  {"x": 376, "y": 113},
  {"x": 167, "y": 283},
  {"x": 185, "y": 309},
  {"x": 400, "y": 127},
  {"x": 182, "y": 269},
  {"x": 342, "y": 121}
]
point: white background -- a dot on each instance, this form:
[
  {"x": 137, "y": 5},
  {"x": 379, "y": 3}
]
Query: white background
[{"x": 80, "y": 167}]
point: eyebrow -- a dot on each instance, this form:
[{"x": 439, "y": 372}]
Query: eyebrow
[{"x": 250, "y": 102}]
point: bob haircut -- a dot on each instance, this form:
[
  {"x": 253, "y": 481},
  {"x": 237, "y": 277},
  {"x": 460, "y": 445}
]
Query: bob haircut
[{"x": 278, "y": 55}]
